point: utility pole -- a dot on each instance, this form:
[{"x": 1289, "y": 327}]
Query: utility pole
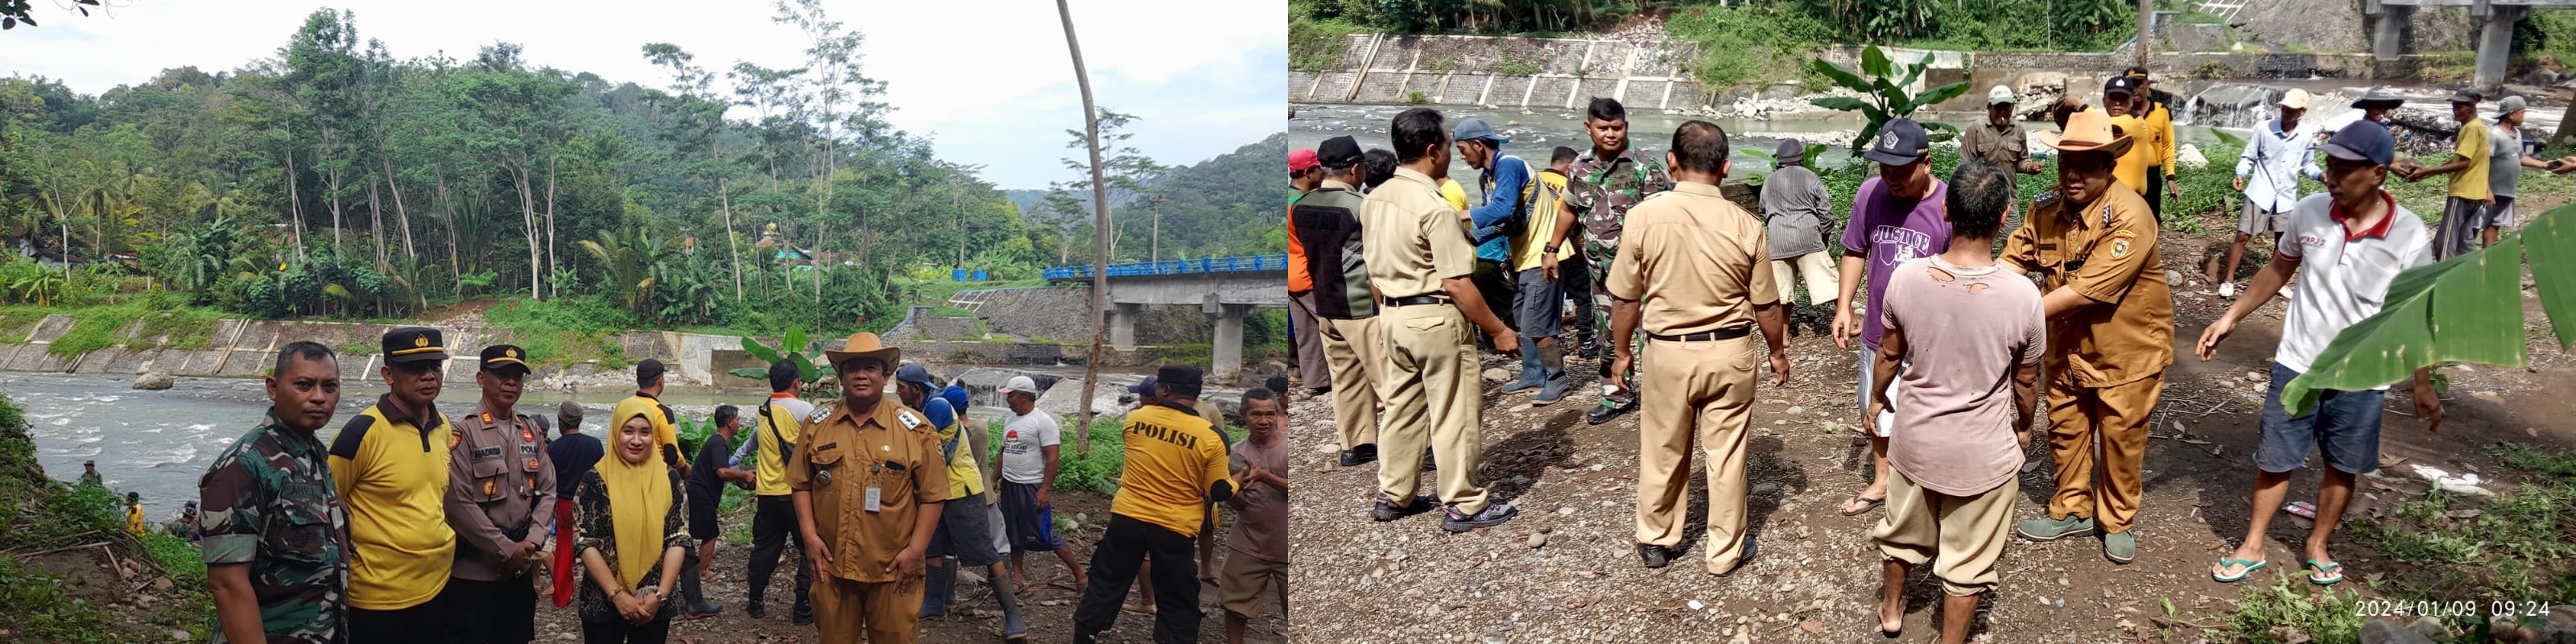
[
  {"x": 1154, "y": 248},
  {"x": 2146, "y": 29}
]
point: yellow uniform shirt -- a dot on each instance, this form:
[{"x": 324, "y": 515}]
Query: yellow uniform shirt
[
  {"x": 2159, "y": 139},
  {"x": 2131, "y": 168},
  {"x": 2471, "y": 184},
  {"x": 778, "y": 429},
  {"x": 1173, "y": 456},
  {"x": 891, "y": 448},
  {"x": 964, "y": 478},
  {"x": 1543, "y": 212},
  {"x": 391, "y": 470},
  {"x": 134, "y": 519},
  {"x": 664, "y": 434}
]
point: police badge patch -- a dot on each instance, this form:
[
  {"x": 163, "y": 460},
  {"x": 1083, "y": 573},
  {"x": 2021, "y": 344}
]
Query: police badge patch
[{"x": 2120, "y": 248}]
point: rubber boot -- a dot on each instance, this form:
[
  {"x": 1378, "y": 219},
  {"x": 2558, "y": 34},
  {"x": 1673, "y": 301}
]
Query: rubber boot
[
  {"x": 1533, "y": 375},
  {"x": 1015, "y": 627},
  {"x": 693, "y": 601},
  {"x": 1551, "y": 359},
  {"x": 940, "y": 579}
]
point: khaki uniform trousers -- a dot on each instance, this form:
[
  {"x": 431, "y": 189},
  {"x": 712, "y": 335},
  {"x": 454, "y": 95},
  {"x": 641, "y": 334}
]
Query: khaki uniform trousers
[
  {"x": 2099, "y": 438},
  {"x": 1962, "y": 536},
  {"x": 1352, "y": 347},
  {"x": 1432, "y": 397},
  {"x": 843, "y": 609},
  {"x": 1690, "y": 391}
]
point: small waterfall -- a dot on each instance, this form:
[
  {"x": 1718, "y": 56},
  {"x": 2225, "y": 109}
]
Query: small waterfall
[{"x": 2230, "y": 105}]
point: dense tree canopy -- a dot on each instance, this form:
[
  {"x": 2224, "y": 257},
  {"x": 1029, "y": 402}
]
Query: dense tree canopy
[{"x": 333, "y": 179}]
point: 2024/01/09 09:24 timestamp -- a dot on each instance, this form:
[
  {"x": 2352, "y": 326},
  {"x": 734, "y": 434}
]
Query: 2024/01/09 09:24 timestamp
[{"x": 2456, "y": 608}]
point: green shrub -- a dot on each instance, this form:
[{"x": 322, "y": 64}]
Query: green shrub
[
  {"x": 1316, "y": 45},
  {"x": 35, "y": 607}
]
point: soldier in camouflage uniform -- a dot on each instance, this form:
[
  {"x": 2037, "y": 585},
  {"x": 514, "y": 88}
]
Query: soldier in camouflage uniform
[
  {"x": 1603, "y": 183},
  {"x": 276, "y": 535}
]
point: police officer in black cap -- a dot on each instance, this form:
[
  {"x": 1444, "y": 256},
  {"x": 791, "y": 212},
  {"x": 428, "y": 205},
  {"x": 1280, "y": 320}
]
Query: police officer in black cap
[
  {"x": 390, "y": 464},
  {"x": 500, "y": 501}
]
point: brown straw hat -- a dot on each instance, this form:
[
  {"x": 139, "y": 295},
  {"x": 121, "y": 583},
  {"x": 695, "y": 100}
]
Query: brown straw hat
[
  {"x": 864, "y": 345},
  {"x": 2088, "y": 131}
]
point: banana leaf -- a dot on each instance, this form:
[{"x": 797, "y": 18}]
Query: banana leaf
[
  {"x": 1937, "y": 95},
  {"x": 763, "y": 353},
  {"x": 2464, "y": 309},
  {"x": 1838, "y": 75},
  {"x": 1874, "y": 62}
]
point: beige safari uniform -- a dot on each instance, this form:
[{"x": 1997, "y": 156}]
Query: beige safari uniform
[
  {"x": 1695, "y": 263},
  {"x": 2105, "y": 363},
  {"x": 1412, "y": 240},
  {"x": 500, "y": 490},
  {"x": 895, "y": 449}
]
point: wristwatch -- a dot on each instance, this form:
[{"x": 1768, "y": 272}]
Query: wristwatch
[{"x": 1551, "y": 248}]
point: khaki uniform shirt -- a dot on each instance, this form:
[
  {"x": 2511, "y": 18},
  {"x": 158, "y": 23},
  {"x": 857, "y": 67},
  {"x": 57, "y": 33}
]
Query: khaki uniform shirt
[
  {"x": 500, "y": 490},
  {"x": 1412, "y": 237},
  {"x": 2106, "y": 251},
  {"x": 1694, "y": 261},
  {"x": 2005, "y": 146},
  {"x": 894, "y": 449}
]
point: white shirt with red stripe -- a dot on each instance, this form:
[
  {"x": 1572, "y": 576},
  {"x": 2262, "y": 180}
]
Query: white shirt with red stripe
[{"x": 2343, "y": 275}]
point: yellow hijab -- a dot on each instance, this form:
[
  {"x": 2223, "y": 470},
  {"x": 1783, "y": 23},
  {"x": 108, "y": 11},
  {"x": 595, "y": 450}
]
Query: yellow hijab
[{"x": 639, "y": 496}]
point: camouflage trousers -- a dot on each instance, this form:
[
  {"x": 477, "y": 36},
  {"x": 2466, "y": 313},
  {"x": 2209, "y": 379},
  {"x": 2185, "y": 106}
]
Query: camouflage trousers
[{"x": 1623, "y": 386}]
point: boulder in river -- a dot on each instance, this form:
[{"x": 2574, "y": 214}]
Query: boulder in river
[{"x": 152, "y": 381}]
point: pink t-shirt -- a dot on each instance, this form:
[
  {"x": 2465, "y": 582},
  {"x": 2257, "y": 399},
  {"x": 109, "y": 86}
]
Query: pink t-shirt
[{"x": 1963, "y": 338}]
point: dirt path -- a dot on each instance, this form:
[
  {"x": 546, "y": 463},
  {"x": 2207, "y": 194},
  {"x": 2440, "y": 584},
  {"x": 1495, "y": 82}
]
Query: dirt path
[{"x": 1817, "y": 573}]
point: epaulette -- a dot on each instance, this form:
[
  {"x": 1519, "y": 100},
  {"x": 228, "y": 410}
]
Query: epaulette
[
  {"x": 821, "y": 411},
  {"x": 911, "y": 419}
]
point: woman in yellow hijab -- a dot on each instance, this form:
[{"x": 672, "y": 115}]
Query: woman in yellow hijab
[{"x": 631, "y": 540}]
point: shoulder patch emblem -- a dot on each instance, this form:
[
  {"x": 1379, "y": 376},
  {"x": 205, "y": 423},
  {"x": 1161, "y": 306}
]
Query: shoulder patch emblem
[
  {"x": 2106, "y": 215},
  {"x": 820, "y": 412},
  {"x": 909, "y": 420},
  {"x": 2124, "y": 233},
  {"x": 2120, "y": 248}
]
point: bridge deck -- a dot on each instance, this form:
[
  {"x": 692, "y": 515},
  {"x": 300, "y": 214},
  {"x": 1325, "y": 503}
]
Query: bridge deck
[{"x": 1197, "y": 266}]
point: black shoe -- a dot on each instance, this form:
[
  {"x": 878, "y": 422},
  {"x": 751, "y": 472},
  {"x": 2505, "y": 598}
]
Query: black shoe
[
  {"x": 1610, "y": 407},
  {"x": 1387, "y": 510},
  {"x": 801, "y": 616},
  {"x": 1745, "y": 559},
  {"x": 1359, "y": 455},
  {"x": 1655, "y": 556},
  {"x": 1494, "y": 514},
  {"x": 1591, "y": 350},
  {"x": 756, "y": 609},
  {"x": 1319, "y": 391}
]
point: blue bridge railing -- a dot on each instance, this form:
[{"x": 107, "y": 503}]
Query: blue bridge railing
[{"x": 1196, "y": 266}]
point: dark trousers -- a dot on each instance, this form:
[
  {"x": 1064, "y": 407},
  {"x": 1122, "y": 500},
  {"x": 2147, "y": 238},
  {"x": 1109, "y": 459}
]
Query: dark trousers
[
  {"x": 425, "y": 623},
  {"x": 1123, "y": 546},
  {"x": 491, "y": 612},
  {"x": 620, "y": 632},
  {"x": 1495, "y": 283},
  {"x": 2156, "y": 193},
  {"x": 773, "y": 519},
  {"x": 1574, "y": 276}
]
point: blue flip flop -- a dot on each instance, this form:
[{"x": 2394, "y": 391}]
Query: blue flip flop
[
  {"x": 2223, "y": 562},
  {"x": 2315, "y": 567}
]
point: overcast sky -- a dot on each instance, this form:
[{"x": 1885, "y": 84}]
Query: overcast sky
[{"x": 989, "y": 80}]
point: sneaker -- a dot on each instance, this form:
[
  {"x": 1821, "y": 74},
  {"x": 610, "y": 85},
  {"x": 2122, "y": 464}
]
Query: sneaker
[
  {"x": 1359, "y": 455},
  {"x": 1654, "y": 556},
  {"x": 1611, "y": 407},
  {"x": 1494, "y": 514},
  {"x": 2055, "y": 529},
  {"x": 1319, "y": 391},
  {"x": 1591, "y": 350},
  {"x": 702, "y": 611},
  {"x": 2227, "y": 289},
  {"x": 1387, "y": 510},
  {"x": 1554, "y": 391},
  {"x": 2120, "y": 547}
]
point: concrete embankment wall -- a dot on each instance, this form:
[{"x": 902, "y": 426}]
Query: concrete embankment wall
[{"x": 245, "y": 349}]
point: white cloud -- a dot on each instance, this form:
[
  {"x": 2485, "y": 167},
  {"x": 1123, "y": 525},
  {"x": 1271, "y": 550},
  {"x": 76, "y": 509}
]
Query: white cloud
[{"x": 991, "y": 78}]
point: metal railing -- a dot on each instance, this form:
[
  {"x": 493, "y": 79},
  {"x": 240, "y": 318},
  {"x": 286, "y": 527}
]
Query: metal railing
[{"x": 1197, "y": 266}]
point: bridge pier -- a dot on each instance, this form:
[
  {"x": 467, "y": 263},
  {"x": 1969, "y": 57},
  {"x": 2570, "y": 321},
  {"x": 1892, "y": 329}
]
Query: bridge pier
[
  {"x": 1122, "y": 325},
  {"x": 2387, "y": 40},
  {"x": 2495, "y": 43},
  {"x": 1228, "y": 340}
]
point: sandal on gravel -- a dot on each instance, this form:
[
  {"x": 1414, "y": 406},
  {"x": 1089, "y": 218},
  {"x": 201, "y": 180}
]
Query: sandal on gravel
[
  {"x": 1868, "y": 505},
  {"x": 2315, "y": 567},
  {"x": 2227, "y": 562}
]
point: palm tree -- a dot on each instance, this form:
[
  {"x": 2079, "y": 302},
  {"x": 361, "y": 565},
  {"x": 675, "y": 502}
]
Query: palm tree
[{"x": 630, "y": 257}]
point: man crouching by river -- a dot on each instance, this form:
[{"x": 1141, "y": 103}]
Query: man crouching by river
[{"x": 276, "y": 535}]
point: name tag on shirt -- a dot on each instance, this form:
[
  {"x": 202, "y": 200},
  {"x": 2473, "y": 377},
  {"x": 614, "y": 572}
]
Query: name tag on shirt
[{"x": 875, "y": 496}]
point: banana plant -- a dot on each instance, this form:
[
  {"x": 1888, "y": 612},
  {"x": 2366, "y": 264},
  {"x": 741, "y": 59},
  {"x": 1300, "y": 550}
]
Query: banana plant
[
  {"x": 1886, "y": 99},
  {"x": 2464, "y": 309},
  {"x": 1755, "y": 176},
  {"x": 793, "y": 348}
]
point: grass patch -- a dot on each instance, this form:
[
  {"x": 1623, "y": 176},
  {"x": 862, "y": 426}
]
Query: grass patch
[
  {"x": 1756, "y": 45},
  {"x": 1316, "y": 45},
  {"x": 1518, "y": 67},
  {"x": 35, "y": 607},
  {"x": 93, "y": 329},
  {"x": 2510, "y": 547},
  {"x": 181, "y": 328},
  {"x": 2290, "y": 611},
  {"x": 564, "y": 331}
]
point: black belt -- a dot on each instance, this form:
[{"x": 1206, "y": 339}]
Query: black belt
[
  {"x": 1711, "y": 336},
  {"x": 1417, "y": 300}
]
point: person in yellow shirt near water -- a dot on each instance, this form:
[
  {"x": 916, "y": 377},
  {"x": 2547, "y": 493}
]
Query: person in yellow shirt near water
[
  {"x": 390, "y": 465},
  {"x": 648, "y": 397},
  {"x": 2156, "y": 139},
  {"x": 134, "y": 513},
  {"x": 2464, "y": 210},
  {"x": 1175, "y": 466},
  {"x": 2133, "y": 166}
]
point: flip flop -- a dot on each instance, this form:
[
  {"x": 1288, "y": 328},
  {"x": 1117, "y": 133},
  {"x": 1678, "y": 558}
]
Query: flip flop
[
  {"x": 2315, "y": 567},
  {"x": 1872, "y": 505},
  {"x": 2224, "y": 562}
]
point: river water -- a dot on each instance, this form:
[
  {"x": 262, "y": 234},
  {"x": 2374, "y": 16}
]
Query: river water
[{"x": 158, "y": 442}]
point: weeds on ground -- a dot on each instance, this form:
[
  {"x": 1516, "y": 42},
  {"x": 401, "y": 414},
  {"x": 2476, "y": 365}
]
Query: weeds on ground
[
  {"x": 2500, "y": 553},
  {"x": 2289, "y": 611},
  {"x": 39, "y": 610}
]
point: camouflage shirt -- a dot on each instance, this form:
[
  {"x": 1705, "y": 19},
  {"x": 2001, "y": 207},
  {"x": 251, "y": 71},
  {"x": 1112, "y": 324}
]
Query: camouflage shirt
[
  {"x": 1600, "y": 192},
  {"x": 269, "y": 502}
]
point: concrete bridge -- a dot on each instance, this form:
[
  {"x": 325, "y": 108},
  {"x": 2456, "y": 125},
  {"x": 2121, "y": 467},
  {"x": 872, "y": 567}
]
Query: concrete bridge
[
  {"x": 2495, "y": 35},
  {"x": 1224, "y": 288}
]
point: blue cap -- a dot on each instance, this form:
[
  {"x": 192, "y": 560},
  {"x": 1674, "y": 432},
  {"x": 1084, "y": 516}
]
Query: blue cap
[
  {"x": 1145, "y": 388},
  {"x": 2363, "y": 141},
  {"x": 956, "y": 396},
  {"x": 1473, "y": 128},
  {"x": 941, "y": 415},
  {"x": 913, "y": 373},
  {"x": 1901, "y": 142}
]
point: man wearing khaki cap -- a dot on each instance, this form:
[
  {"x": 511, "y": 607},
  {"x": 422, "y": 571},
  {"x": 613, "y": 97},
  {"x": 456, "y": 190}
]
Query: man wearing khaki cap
[
  {"x": 2110, "y": 335},
  {"x": 1999, "y": 140},
  {"x": 2268, "y": 173}
]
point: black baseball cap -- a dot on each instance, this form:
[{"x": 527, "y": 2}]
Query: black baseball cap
[
  {"x": 1901, "y": 142},
  {"x": 2363, "y": 141},
  {"x": 1177, "y": 375},
  {"x": 2120, "y": 85},
  {"x": 1338, "y": 152},
  {"x": 414, "y": 344},
  {"x": 505, "y": 358}
]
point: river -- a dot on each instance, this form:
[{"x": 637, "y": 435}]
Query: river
[{"x": 158, "y": 442}]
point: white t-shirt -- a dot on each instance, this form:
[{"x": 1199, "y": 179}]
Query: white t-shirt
[
  {"x": 2342, "y": 277},
  {"x": 1024, "y": 439}
]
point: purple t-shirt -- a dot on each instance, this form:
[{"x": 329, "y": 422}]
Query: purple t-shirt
[{"x": 1892, "y": 230}]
